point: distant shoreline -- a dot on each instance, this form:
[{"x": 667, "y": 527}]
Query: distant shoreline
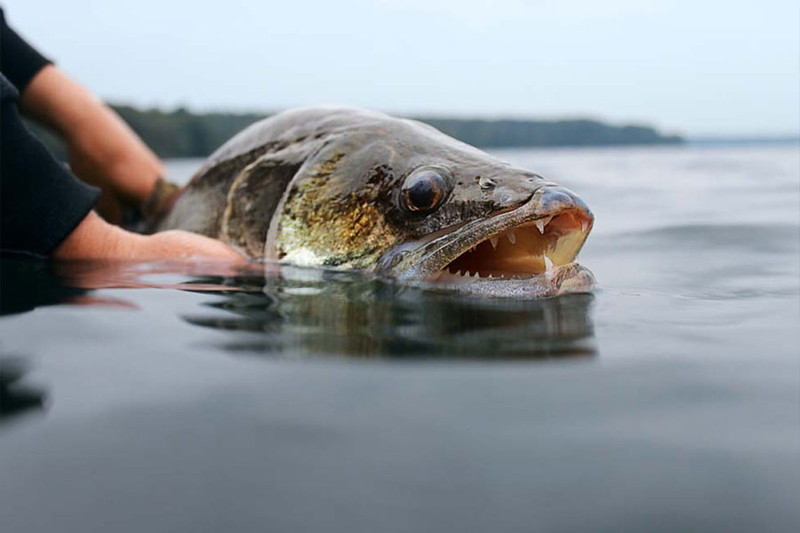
[{"x": 183, "y": 133}]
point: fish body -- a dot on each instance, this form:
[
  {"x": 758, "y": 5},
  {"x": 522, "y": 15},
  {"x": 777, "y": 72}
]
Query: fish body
[{"x": 360, "y": 190}]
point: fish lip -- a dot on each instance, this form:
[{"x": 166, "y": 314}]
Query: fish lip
[{"x": 438, "y": 252}]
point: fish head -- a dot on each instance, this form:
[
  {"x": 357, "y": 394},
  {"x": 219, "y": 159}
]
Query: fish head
[{"x": 400, "y": 198}]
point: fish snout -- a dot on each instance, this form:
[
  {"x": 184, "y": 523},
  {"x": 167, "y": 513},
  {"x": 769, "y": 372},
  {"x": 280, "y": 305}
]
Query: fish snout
[{"x": 556, "y": 199}]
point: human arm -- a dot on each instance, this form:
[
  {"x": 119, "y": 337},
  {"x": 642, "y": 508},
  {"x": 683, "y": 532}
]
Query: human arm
[
  {"x": 102, "y": 150},
  {"x": 46, "y": 211}
]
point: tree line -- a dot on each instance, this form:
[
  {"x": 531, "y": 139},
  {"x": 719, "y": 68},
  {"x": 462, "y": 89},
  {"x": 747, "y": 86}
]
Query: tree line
[{"x": 182, "y": 133}]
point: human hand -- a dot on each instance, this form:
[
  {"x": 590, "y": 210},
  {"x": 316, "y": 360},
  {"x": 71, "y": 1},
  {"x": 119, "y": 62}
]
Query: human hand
[
  {"x": 94, "y": 238},
  {"x": 177, "y": 244}
]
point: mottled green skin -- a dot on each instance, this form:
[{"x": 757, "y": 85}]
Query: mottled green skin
[{"x": 321, "y": 187}]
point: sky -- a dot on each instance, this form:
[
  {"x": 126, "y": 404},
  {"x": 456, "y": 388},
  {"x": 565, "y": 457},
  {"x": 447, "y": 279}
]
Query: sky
[{"x": 699, "y": 68}]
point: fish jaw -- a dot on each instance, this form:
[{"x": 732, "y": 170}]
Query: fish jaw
[
  {"x": 537, "y": 241},
  {"x": 567, "y": 279}
]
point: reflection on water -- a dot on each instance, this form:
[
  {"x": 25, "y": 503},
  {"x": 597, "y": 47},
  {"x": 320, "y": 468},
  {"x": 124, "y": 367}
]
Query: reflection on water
[
  {"x": 305, "y": 313},
  {"x": 16, "y": 396},
  {"x": 310, "y": 312},
  {"x": 347, "y": 314},
  {"x": 31, "y": 283}
]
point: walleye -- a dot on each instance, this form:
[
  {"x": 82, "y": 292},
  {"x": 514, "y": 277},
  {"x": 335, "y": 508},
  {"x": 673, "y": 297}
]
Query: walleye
[{"x": 360, "y": 190}]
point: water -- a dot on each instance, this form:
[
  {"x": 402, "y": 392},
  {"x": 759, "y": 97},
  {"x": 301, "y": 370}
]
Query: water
[{"x": 668, "y": 401}]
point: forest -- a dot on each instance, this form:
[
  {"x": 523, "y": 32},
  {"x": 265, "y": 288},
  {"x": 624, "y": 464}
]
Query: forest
[{"x": 183, "y": 133}]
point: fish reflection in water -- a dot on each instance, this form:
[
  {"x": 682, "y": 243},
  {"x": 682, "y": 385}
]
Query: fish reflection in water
[
  {"x": 335, "y": 313},
  {"x": 296, "y": 312},
  {"x": 16, "y": 396}
]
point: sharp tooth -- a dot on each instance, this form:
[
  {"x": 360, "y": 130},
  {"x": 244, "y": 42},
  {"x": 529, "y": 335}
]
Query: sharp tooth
[
  {"x": 548, "y": 264},
  {"x": 584, "y": 225},
  {"x": 512, "y": 237},
  {"x": 542, "y": 223},
  {"x": 493, "y": 240}
]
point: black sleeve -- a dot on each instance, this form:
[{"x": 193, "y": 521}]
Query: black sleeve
[
  {"x": 19, "y": 61},
  {"x": 40, "y": 201}
]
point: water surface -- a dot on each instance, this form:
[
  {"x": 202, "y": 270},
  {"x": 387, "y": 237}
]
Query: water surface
[{"x": 208, "y": 400}]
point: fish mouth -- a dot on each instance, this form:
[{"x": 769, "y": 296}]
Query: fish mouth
[
  {"x": 528, "y": 249},
  {"x": 539, "y": 238}
]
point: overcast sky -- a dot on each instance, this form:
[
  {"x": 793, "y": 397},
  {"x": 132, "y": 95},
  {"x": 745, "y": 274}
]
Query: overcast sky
[{"x": 703, "y": 67}]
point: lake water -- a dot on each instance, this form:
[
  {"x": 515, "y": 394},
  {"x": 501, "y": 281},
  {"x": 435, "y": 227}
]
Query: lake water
[{"x": 212, "y": 401}]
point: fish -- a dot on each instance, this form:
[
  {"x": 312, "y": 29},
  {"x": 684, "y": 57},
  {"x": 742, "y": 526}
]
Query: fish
[{"x": 355, "y": 189}]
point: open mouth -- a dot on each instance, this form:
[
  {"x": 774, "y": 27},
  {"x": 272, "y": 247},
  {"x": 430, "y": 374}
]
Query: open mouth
[
  {"x": 532, "y": 248},
  {"x": 540, "y": 237}
]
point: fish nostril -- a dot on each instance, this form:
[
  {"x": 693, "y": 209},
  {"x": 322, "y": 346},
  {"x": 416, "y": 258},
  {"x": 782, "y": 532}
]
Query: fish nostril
[{"x": 486, "y": 183}]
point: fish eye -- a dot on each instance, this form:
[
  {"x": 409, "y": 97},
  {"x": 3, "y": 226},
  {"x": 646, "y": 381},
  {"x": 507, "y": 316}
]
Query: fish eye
[{"x": 424, "y": 191}]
